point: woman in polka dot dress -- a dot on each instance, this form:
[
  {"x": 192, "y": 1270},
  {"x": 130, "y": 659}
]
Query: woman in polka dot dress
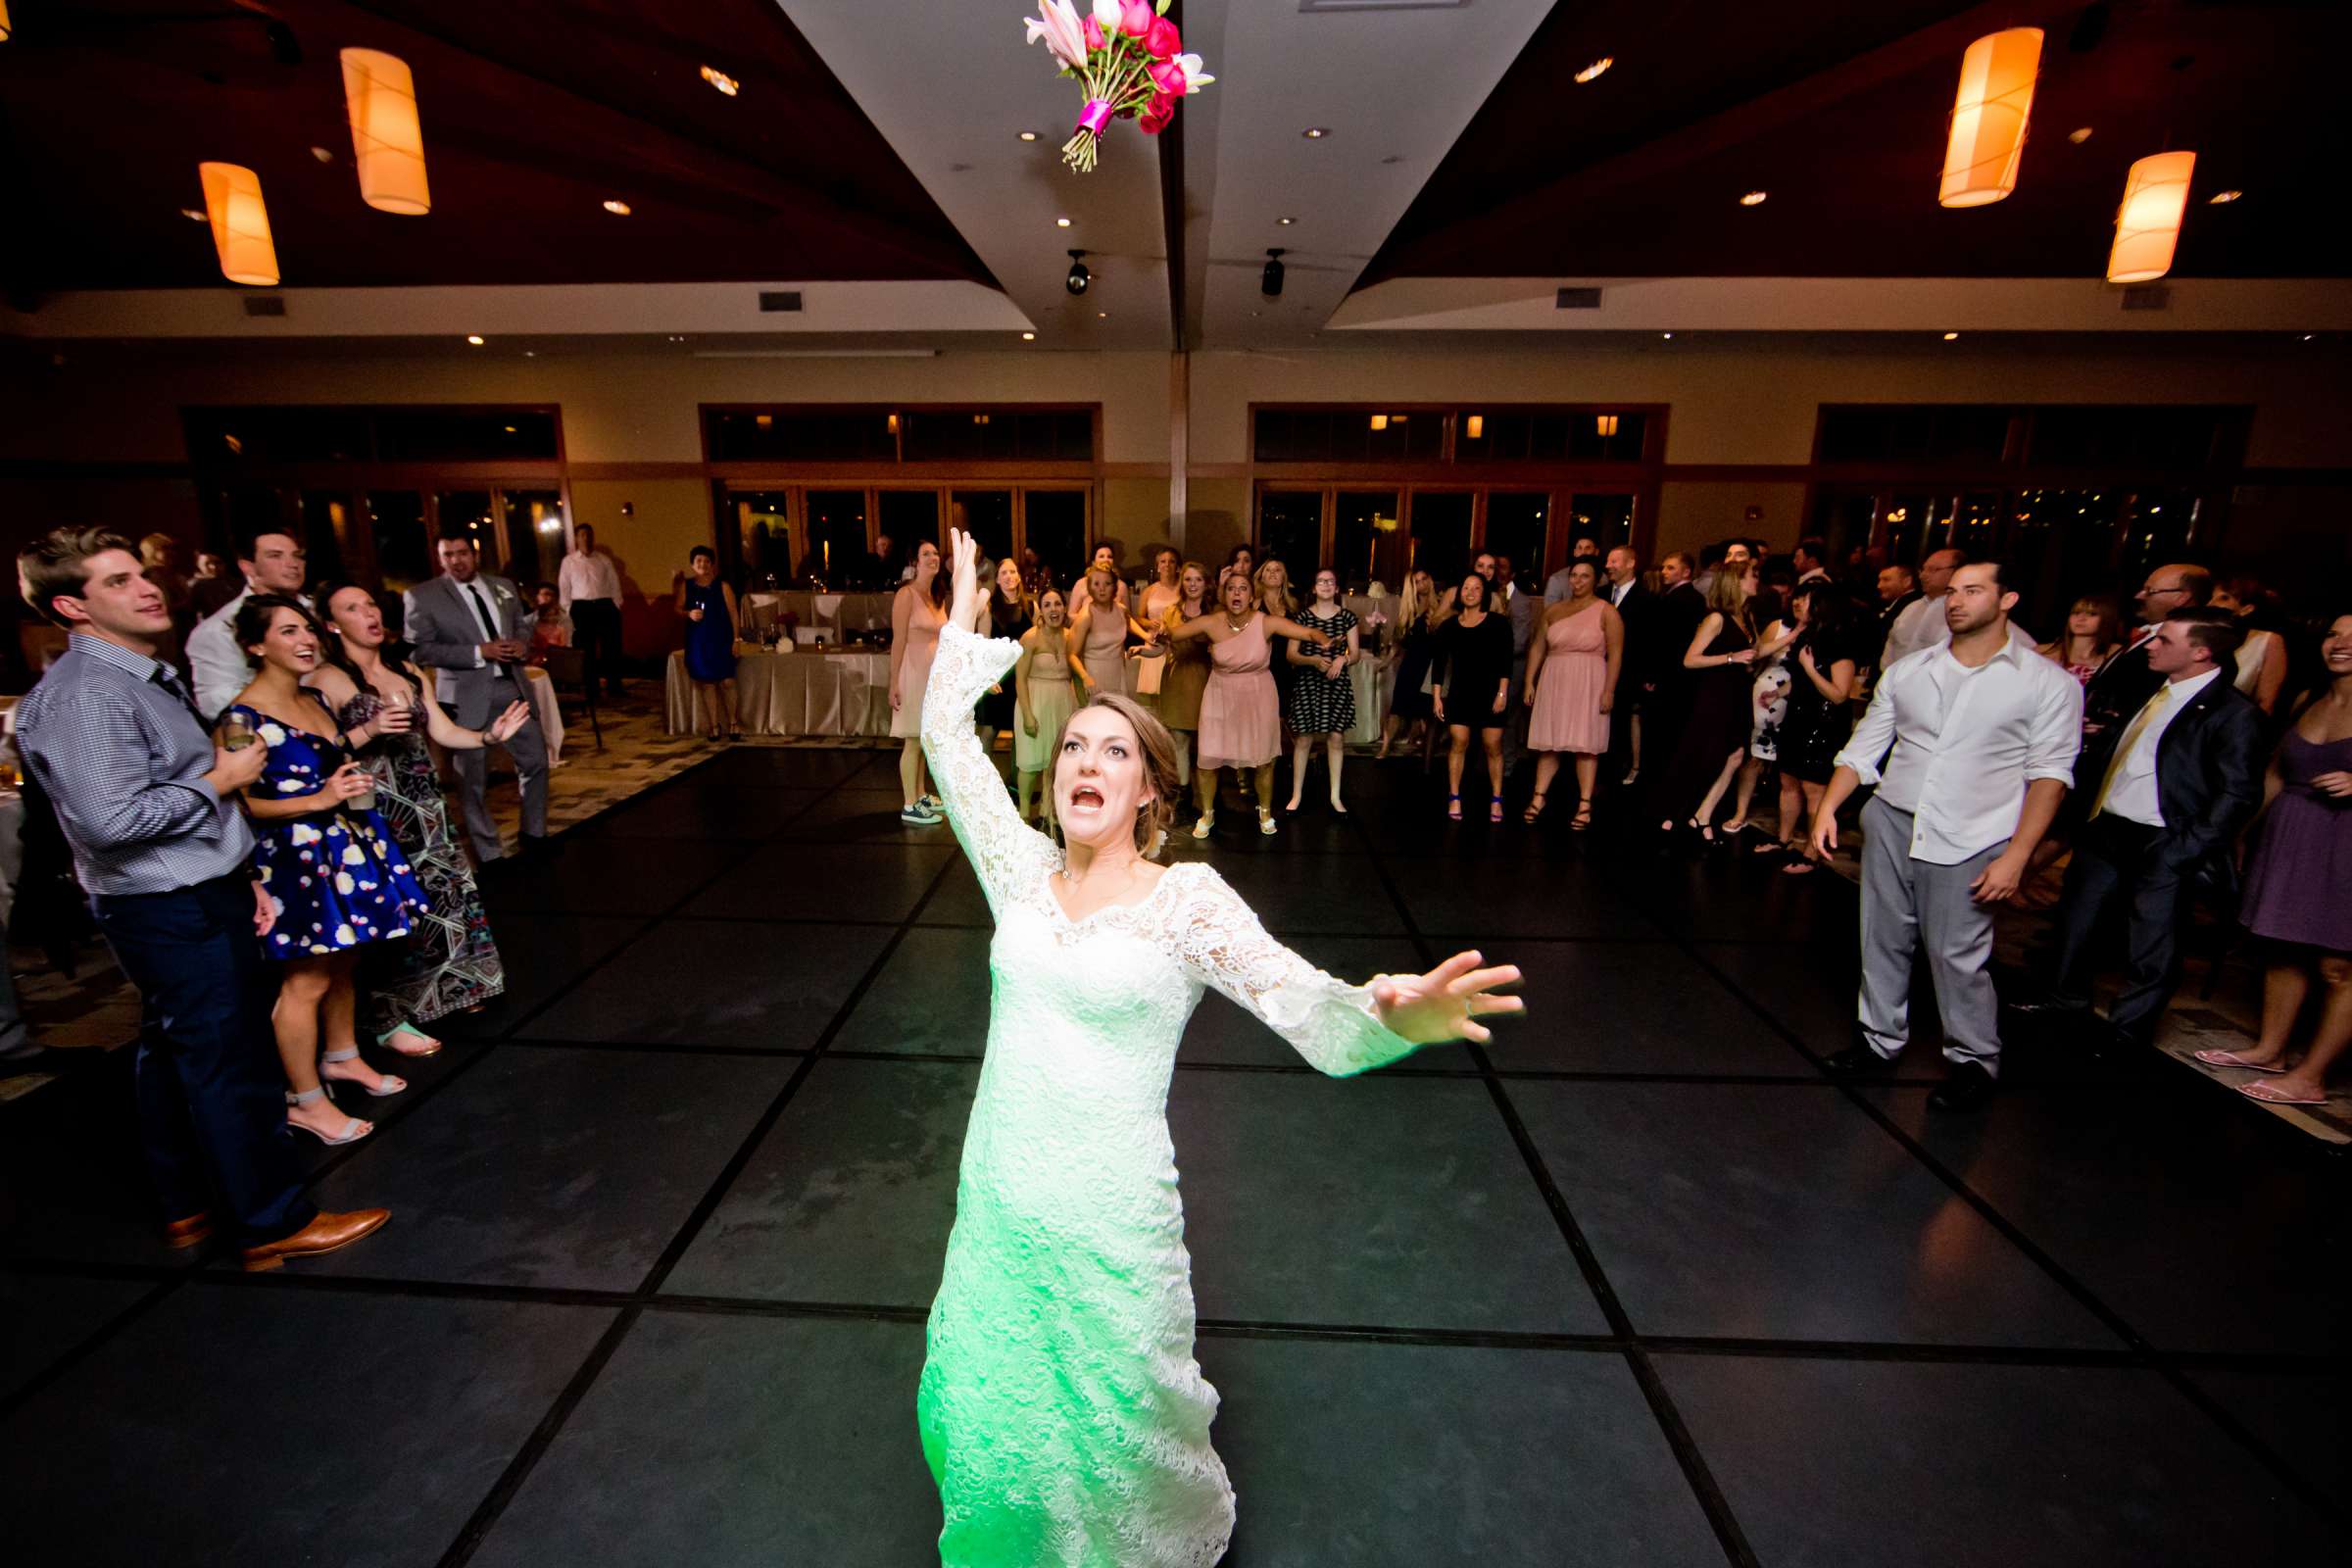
[{"x": 328, "y": 862}]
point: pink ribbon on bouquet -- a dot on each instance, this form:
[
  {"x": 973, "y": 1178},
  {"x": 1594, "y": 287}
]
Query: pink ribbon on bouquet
[{"x": 1096, "y": 117}]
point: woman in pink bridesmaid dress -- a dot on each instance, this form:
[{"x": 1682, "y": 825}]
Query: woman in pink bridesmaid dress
[
  {"x": 1571, "y": 685},
  {"x": 1241, "y": 716}
]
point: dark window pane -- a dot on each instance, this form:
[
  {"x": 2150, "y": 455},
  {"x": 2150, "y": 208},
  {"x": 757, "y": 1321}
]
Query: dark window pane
[
  {"x": 1055, "y": 527},
  {"x": 1440, "y": 536},
  {"x": 1517, "y": 526},
  {"x": 1605, "y": 518},
  {"x": 1290, "y": 530},
  {"x": 763, "y": 538},
  {"x": 911, "y": 517},
  {"x": 837, "y": 538},
  {"x": 451, "y": 436},
  {"x": 535, "y": 542},
  {"x": 403, "y": 558},
  {"x": 1367, "y": 540},
  {"x": 986, "y": 515},
  {"x": 1605, "y": 437},
  {"x": 326, "y": 530}
]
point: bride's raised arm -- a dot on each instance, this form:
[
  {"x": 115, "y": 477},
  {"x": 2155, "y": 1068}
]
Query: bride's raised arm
[
  {"x": 1006, "y": 852},
  {"x": 1339, "y": 1028}
]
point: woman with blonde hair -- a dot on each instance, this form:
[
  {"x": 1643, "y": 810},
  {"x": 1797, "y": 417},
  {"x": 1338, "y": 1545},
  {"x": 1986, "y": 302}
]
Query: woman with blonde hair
[
  {"x": 1241, "y": 718},
  {"x": 1417, "y": 619},
  {"x": 1185, "y": 676},
  {"x": 1721, "y": 655},
  {"x": 1047, "y": 683},
  {"x": 1100, "y": 627}
]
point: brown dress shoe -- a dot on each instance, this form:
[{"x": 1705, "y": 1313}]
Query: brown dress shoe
[
  {"x": 195, "y": 1229},
  {"x": 326, "y": 1234}
]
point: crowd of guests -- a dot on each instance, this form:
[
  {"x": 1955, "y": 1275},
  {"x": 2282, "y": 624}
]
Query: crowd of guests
[{"x": 255, "y": 812}]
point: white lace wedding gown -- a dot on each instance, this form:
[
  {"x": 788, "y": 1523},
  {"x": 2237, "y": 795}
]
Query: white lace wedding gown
[{"x": 1062, "y": 1414}]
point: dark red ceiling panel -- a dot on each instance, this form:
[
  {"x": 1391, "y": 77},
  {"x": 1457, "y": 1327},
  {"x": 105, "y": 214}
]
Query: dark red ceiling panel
[
  {"x": 1840, "y": 113},
  {"x": 535, "y": 114}
]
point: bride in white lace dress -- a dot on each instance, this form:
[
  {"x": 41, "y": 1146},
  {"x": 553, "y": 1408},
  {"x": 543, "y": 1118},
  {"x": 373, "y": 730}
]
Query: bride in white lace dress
[{"x": 1062, "y": 1414}]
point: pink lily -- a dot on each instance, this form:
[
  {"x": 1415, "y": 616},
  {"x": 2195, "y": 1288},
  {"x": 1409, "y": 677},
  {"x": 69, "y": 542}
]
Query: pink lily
[{"x": 1059, "y": 29}]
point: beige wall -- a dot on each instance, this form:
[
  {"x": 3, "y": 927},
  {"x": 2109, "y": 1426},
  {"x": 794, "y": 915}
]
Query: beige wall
[{"x": 1695, "y": 513}]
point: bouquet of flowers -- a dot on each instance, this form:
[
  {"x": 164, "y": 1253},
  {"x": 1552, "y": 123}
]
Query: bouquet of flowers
[{"x": 1126, "y": 57}]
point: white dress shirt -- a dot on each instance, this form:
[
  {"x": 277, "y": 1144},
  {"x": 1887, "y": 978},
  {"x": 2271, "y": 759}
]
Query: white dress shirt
[
  {"x": 2131, "y": 781},
  {"x": 218, "y": 666},
  {"x": 1966, "y": 743},
  {"x": 587, "y": 576},
  {"x": 1922, "y": 625}
]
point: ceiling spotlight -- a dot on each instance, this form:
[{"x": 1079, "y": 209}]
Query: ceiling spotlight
[
  {"x": 1028, "y": 337},
  {"x": 1952, "y": 337},
  {"x": 1596, "y": 68},
  {"x": 530, "y": 354},
  {"x": 1666, "y": 334},
  {"x": 1079, "y": 276},
  {"x": 322, "y": 154},
  {"x": 1028, "y": 135},
  {"x": 2223, "y": 198},
  {"x": 474, "y": 338},
  {"x": 1101, "y": 316},
  {"x": 194, "y": 214},
  {"x": 1270, "y": 283},
  {"x": 1315, "y": 133},
  {"x": 1061, "y": 223},
  {"x": 2079, "y": 136},
  {"x": 619, "y": 209},
  {"x": 677, "y": 337},
  {"x": 719, "y": 79},
  {"x": 1286, "y": 222},
  {"x": 1755, "y": 198}
]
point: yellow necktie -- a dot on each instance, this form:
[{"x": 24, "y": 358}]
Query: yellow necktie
[{"x": 2132, "y": 734}]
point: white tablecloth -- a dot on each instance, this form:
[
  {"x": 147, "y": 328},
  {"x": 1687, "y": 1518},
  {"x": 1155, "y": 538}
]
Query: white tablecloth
[{"x": 800, "y": 693}]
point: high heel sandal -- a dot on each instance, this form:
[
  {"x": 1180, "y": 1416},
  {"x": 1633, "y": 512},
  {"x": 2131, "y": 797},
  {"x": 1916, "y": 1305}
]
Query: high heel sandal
[
  {"x": 384, "y": 1087},
  {"x": 1454, "y": 807},
  {"x": 1582, "y": 822},
  {"x": 1202, "y": 823},
  {"x": 1495, "y": 809},
  {"x": 1535, "y": 807},
  {"x": 353, "y": 1129},
  {"x": 431, "y": 1047},
  {"x": 1265, "y": 821}
]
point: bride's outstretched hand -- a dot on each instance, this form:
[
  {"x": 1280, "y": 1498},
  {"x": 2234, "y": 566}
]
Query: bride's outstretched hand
[
  {"x": 964, "y": 551},
  {"x": 1447, "y": 1002}
]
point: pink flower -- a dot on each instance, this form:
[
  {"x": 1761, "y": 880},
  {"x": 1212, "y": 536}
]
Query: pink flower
[
  {"x": 1162, "y": 40},
  {"x": 1168, "y": 77},
  {"x": 1155, "y": 118},
  {"x": 1135, "y": 18},
  {"x": 1058, "y": 24},
  {"x": 1092, "y": 31}
]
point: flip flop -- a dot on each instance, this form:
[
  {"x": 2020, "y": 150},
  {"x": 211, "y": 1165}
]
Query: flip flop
[
  {"x": 2231, "y": 1058},
  {"x": 2267, "y": 1096}
]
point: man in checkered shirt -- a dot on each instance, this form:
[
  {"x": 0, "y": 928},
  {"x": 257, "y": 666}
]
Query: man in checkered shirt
[{"x": 166, "y": 860}]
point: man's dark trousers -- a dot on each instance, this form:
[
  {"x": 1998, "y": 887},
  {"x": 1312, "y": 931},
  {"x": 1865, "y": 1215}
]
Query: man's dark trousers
[{"x": 212, "y": 1105}]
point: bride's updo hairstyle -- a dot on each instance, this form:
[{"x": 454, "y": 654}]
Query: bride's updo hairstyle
[{"x": 1159, "y": 764}]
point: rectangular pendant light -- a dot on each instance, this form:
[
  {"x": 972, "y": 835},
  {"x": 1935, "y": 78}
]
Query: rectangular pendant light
[
  {"x": 233, "y": 200},
  {"x": 1988, "y": 117},
  {"x": 387, "y": 138},
  {"x": 2147, "y": 225}
]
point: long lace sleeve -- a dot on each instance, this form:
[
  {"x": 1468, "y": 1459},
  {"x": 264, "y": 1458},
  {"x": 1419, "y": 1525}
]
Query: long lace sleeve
[
  {"x": 1327, "y": 1021},
  {"x": 1006, "y": 852}
]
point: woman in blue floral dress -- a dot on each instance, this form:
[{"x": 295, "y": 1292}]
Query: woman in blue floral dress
[{"x": 333, "y": 872}]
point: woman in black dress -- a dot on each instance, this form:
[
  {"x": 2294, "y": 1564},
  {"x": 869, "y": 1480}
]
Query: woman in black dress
[
  {"x": 1715, "y": 736},
  {"x": 1822, "y": 675},
  {"x": 1006, "y": 615},
  {"x": 1322, "y": 696},
  {"x": 1416, "y": 630},
  {"x": 1474, "y": 690}
]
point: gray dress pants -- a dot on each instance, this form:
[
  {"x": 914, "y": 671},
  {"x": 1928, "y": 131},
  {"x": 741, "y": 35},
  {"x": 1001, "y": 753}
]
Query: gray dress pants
[
  {"x": 528, "y": 750},
  {"x": 1907, "y": 905}
]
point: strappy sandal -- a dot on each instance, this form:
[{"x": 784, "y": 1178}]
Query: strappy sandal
[
  {"x": 1800, "y": 863},
  {"x": 1454, "y": 807},
  {"x": 385, "y": 1085},
  {"x": 1494, "y": 810},
  {"x": 1202, "y": 823},
  {"x": 388, "y": 1039},
  {"x": 1265, "y": 822},
  {"x": 1535, "y": 807},
  {"x": 1582, "y": 822},
  {"x": 353, "y": 1129}
]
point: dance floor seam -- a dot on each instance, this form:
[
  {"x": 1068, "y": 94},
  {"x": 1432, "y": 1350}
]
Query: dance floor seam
[{"x": 1695, "y": 1237}]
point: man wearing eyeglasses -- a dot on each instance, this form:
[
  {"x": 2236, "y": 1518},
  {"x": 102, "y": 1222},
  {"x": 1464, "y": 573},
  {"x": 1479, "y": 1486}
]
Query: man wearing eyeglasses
[{"x": 2123, "y": 685}]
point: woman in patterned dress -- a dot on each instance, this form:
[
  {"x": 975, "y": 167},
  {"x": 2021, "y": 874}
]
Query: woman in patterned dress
[
  {"x": 450, "y": 965},
  {"x": 327, "y": 861},
  {"x": 1322, "y": 696}
]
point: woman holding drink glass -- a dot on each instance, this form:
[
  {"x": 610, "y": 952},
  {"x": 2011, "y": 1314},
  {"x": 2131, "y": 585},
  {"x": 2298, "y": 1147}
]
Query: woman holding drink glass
[
  {"x": 451, "y": 963},
  {"x": 327, "y": 861}
]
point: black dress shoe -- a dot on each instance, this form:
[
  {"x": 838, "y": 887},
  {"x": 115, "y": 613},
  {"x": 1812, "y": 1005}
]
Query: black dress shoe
[
  {"x": 1967, "y": 1088},
  {"x": 1854, "y": 1060},
  {"x": 2049, "y": 1008}
]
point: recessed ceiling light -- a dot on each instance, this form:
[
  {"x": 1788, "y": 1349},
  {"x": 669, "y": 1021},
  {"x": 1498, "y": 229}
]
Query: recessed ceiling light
[
  {"x": 1286, "y": 222},
  {"x": 195, "y": 214},
  {"x": 510, "y": 429},
  {"x": 1595, "y": 68},
  {"x": 677, "y": 337},
  {"x": 1666, "y": 334},
  {"x": 323, "y": 154},
  {"x": 1028, "y": 135},
  {"x": 1028, "y": 337},
  {"x": 722, "y": 80},
  {"x": 1952, "y": 337},
  {"x": 474, "y": 338},
  {"x": 530, "y": 354},
  {"x": 1755, "y": 198},
  {"x": 619, "y": 209},
  {"x": 1315, "y": 133},
  {"x": 2308, "y": 336},
  {"x": 2223, "y": 198},
  {"x": 1101, "y": 316},
  {"x": 2079, "y": 136},
  {"x": 1061, "y": 223}
]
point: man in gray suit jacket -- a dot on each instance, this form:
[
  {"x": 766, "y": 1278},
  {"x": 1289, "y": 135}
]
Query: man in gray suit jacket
[{"x": 468, "y": 629}]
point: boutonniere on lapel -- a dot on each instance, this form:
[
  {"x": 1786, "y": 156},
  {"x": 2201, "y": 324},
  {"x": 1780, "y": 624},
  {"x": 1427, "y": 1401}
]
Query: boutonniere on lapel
[{"x": 500, "y": 594}]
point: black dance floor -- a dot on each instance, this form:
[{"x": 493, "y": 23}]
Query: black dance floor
[{"x": 1636, "y": 1285}]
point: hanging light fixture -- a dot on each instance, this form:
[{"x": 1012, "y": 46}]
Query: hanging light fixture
[
  {"x": 2148, "y": 224},
  {"x": 1604, "y": 424},
  {"x": 1988, "y": 117},
  {"x": 386, "y": 136},
  {"x": 4, "y": 28},
  {"x": 1379, "y": 421},
  {"x": 1475, "y": 427},
  {"x": 233, "y": 200}
]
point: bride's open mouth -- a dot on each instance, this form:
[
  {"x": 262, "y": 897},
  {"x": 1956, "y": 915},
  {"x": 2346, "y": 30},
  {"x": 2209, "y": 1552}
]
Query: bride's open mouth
[{"x": 1085, "y": 797}]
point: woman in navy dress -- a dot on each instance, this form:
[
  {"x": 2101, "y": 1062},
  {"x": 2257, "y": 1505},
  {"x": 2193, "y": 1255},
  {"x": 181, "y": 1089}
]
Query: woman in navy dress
[
  {"x": 328, "y": 862},
  {"x": 709, "y": 607}
]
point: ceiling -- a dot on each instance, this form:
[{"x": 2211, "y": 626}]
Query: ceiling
[{"x": 878, "y": 168}]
